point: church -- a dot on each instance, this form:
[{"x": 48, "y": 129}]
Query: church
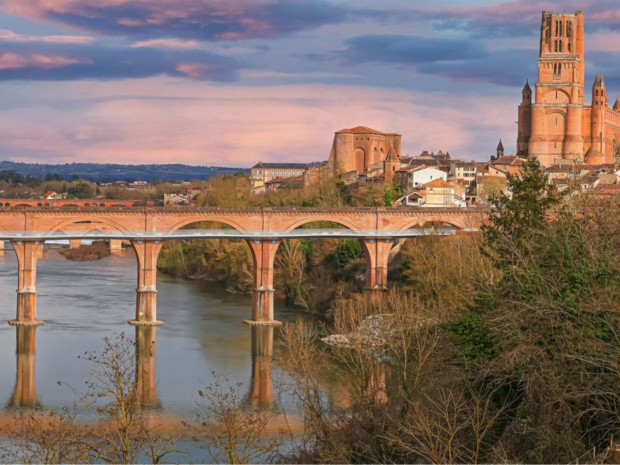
[{"x": 557, "y": 127}]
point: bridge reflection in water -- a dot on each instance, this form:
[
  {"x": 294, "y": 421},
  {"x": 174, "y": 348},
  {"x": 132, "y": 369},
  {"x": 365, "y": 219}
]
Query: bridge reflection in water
[
  {"x": 260, "y": 393},
  {"x": 261, "y": 384},
  {"x": 25, "y": 391}
]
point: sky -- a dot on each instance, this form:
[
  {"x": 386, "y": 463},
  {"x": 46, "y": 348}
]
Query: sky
[{"x": 234, "y": 82}]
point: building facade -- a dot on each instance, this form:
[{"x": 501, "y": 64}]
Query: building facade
[
  {"x": 557, "y": 125},
  {"x": 361, "y": 149}
]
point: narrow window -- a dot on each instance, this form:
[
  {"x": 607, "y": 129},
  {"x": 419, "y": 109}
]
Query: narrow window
[
  {"x": 569, "y": 29},
  {"x": 555, "y": 47},
  {"x": 561, "y": 23},
  {"x": 570, "y": 47},
  {"x": 560, "y": 46}
]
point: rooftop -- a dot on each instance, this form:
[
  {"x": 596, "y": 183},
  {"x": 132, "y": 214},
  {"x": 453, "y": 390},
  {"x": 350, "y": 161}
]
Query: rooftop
[{"x": 365, "y": 130}]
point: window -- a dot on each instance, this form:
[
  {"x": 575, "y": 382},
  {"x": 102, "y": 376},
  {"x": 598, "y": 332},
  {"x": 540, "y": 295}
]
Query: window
[
  {"x": 569, "y": 30},
  {"x": 555, "y": 46},
  {"x": 561, "y": 23},
  {"x": 560, "y": 47}
]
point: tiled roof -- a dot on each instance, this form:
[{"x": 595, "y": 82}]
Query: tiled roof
[
  {"x": 512, "y": 160},
  {"x": 365, "y": 130},
  {"x": 289, "y": 166},
  {"x": 438, "y": 183}
]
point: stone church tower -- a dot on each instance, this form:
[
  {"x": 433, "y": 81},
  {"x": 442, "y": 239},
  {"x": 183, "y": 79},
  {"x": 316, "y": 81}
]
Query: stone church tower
[{"x": 557, "y": 126}]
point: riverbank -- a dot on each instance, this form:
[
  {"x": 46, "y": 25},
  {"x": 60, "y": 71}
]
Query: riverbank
[{"x": 94, "y": 251}]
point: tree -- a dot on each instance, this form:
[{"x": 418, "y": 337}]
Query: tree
[
  {"x": 81, "y": 190},
  {"x": 113, "y": 396},
  {"x": 548, "y": 329},
  {"x": 348, "y": 250},
  {"x": 236, "y": 433}
]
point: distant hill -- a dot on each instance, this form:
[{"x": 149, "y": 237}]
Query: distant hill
[{"x": 117, "y": 172}]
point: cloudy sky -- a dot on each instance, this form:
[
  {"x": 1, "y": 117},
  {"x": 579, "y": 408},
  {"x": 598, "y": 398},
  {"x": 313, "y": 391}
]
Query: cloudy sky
[{"x": 232, "y": 82}]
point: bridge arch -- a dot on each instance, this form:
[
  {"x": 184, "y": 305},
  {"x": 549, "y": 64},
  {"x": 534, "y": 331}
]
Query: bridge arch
[
  {"x": 340, "y": 221},
  {"x": 207, "y": 218},
  {"x": 455, "y": 222},
  {"x": 95, "y": 220}
]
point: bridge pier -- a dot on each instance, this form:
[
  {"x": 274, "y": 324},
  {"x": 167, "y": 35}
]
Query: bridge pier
[
  {"x": 377, "y": 253},
  {"x": 28, "y": 253},
  {"x": 116, "y": 244},
  {"x": 146, "y": 292},
  {"x": 263, "y": 254}
]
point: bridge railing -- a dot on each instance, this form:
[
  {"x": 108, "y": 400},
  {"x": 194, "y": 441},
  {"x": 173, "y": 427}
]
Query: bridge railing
[{"x": 186, "y": 234}]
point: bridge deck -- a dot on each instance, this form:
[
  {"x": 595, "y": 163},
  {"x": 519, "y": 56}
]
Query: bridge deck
[{"x": 186, "y": 234}]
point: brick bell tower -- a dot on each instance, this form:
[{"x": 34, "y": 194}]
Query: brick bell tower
[{"x": 554, "y": 131}]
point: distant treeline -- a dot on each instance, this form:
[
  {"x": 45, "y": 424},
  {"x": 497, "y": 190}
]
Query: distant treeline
[{"x": 104, "y": 172}]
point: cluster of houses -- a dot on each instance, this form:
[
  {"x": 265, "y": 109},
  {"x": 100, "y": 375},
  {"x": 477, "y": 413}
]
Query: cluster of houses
[{"x": 436, "y": 180}]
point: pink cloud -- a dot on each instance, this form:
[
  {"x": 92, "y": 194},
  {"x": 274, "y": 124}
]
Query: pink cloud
[
  {"x": 166, "y": 120},
  {"x": 203, "y": 19},
  {"x": 10, "y": 36},
  {"x": 15, "y": 61},
  {"x": 168, "y": 43}
]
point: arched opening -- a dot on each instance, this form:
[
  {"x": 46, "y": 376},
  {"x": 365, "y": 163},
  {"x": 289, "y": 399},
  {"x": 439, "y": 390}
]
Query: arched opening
[
  {"x": 435, "y": 262},
  {"x": 360, "y": 160},
  {"x": 321, "y": 263},
  {"x": 206, "y": 252}
]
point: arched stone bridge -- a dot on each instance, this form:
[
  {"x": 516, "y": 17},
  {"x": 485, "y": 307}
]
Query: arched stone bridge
[{"x": 148, "y": 228}]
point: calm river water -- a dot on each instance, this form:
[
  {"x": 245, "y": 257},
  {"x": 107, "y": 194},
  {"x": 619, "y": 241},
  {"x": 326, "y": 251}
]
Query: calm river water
[{"x": 82, "y": 302}]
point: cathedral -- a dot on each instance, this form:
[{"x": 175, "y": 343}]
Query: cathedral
[{"x": 557, "y": 127}]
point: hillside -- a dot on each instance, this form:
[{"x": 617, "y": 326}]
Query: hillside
[{"x": 117, "y": 172}]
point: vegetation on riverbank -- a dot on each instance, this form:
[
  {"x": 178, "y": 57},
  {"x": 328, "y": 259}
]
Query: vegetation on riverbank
[
  {"x": 94, "y": 251},
  {"x": 499, "y": 348}
]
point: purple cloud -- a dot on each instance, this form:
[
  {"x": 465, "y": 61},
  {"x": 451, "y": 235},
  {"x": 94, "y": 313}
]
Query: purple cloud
[
  {"x": 190, "y": 19},
  {"x": 49, "y": 61}
]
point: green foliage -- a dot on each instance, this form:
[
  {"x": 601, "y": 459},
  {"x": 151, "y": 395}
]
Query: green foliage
[
  {"x": 306, "y": 247},
  {"x": 517, "y": 217},
  {"x": 474, "y": 338},
  {"x": 347, "y": 251},
  {"x": 391, "y": 193},
  {"x": 81, "y": 190},
  {"x": 54, "y": 177}
]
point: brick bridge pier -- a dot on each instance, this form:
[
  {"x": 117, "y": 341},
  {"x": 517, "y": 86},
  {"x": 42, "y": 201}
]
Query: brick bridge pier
[{"x": 377, "y": 229}]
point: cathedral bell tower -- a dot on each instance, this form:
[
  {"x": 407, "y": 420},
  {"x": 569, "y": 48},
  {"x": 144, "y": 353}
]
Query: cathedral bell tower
[{"x": 556, "y": 115}]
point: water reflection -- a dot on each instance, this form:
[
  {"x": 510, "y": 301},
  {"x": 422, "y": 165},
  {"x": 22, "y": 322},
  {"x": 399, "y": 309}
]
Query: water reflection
[
  {"x": 25, "y": 391},
  {"x": 261, "y": 385},
  {"x": 145, "y": 366}
]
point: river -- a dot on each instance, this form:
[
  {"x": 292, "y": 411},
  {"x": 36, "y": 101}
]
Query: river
[{"x": 83, "y": 302}]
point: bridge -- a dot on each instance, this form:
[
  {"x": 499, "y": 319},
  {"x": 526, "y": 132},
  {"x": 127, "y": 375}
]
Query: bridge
[
  {"x": 67, "y": 203},
  {"x": 147, "y": 229}
]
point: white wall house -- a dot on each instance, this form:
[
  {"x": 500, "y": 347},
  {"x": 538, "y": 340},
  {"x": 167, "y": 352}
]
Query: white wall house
[{"x": 416, "y": 177}]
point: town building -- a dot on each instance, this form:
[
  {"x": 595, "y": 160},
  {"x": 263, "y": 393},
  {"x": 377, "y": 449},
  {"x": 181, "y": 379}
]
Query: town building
[
  {"x": 414, "y": 176},
  {"x": 262, "y": 173},
  {"x": 465, "y": 171},
  {"x": 361, "y": 149},
  {"x": 439, "y": 193},
  {"x": 557, "y": 126}
]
